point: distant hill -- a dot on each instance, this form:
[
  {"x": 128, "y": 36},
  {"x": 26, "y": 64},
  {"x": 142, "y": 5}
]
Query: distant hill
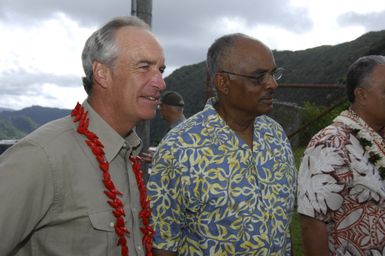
[
  {"x": 5, "y": 109},
  {"x": 39, "y": 115},
  {"x": 327, "y": 64},
  {"x": 15, "y": 124},
  {"x": 8, "y": 131}
]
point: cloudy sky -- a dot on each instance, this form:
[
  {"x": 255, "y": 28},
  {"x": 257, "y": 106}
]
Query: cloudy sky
[{"x": 42, "y": 40}]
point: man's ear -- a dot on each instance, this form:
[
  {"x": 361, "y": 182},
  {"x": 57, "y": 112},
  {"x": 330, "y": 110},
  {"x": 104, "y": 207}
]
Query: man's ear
[
  {"x": 101, "y": 74},
  {"x": 221, "y": 83},
  {"x": 360, "y": 95}
]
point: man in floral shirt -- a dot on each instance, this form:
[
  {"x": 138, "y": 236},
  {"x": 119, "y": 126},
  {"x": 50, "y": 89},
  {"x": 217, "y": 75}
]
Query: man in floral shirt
[
  {"x": 223, "y": 182},
  {"x": 341, "y": 194}
]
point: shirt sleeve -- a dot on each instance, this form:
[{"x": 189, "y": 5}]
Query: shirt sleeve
[
  {"x": 26, "y": 192},
  {"x": 318, "y": 186},
  {"x": 164, "y": 189}
]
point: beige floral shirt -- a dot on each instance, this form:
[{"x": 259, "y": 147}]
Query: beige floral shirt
[{"x": 340, "y": 186}]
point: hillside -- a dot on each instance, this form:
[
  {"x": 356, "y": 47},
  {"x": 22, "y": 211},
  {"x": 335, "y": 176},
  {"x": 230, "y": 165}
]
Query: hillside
[
  {"x": 327, "y": 64},
  {"x": 16, "y": 124},
  {"x": 39, "y": 115},
  {"x": 5, "y": 109},
  {"x": 8, "y": 131}
]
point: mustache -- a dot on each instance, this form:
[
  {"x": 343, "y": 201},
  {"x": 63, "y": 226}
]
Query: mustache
[{"x": 267, "y": 96}]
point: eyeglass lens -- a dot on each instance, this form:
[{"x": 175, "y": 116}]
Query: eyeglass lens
[{"x": 276, "y": 74}]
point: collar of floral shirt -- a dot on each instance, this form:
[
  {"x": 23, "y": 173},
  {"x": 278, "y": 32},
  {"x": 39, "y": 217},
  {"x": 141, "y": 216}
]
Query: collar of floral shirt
[{"x": 372, "y": 142}]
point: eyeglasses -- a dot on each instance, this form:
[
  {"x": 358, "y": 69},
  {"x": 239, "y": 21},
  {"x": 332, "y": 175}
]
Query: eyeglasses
[{"x": 260, "y": 77}]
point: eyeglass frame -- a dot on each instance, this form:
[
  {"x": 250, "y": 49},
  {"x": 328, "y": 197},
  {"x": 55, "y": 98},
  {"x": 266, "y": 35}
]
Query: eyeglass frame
[{"x": 260, "y": 75}]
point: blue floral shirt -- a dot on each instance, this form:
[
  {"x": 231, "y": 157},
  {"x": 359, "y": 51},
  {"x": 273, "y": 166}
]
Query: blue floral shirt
[{"x": 211, "y": 194}]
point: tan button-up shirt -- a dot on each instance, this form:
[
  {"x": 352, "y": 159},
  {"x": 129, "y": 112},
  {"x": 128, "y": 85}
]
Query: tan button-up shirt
[{"x": 51, "y": 192}]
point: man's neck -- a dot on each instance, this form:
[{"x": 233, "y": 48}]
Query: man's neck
[
  {"x": 239, "y": 123},
  {"x": 368, "y": 119}
]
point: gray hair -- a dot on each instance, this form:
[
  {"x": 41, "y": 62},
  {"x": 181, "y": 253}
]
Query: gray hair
[
  {"x": 101, "y": 46},
  {"x": 359, "y": 73},
  {"x": 218, "y": 54}
]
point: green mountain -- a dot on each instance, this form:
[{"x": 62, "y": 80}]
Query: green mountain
[
  {"x": 24, "y": 123},
  {"x": 326, "y": 64},
  {"x": 5, "y": 109},
  {"x": 16, "y": 124},
  {"x": 39, "y": 115},
  {"x": 8, "y": 131}
]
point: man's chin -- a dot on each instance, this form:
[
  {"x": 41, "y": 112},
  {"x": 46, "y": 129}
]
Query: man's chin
[
  {"x": 148, "y": 116},
  {"x": 266, "y": 110}
]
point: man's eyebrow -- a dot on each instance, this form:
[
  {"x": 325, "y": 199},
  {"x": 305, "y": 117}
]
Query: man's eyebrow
[
  {"x": 150, "y": 63},
  {"x": 260, "y": 70},
  {"x": 146, "y": 61}
]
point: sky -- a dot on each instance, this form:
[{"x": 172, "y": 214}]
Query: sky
[{"x": 42, "y": 40}]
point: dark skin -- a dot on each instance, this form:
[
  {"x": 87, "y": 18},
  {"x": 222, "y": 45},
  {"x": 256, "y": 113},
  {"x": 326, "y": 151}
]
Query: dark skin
[
  {"x": 314, "y": 236},
  {"x": 370, "y": 98},
  {"x": 241, "y": 99}
]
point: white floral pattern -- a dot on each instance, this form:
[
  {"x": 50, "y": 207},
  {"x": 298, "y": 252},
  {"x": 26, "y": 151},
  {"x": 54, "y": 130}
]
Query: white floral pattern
[
  {"x": 364, "y": 132},
  {"x": 340, "y": 186}
]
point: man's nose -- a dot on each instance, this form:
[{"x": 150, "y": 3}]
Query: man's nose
[
  {"x": 159, "y": 81},
  {"x": 272, "y": 83}
]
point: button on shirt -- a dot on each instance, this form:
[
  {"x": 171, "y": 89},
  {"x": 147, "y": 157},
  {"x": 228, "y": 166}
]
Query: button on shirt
[
  {"x": 51, "y": 192},
  {"x": 213, "y": 195}
]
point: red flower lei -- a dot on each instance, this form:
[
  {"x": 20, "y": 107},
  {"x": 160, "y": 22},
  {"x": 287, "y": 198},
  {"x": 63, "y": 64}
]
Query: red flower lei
[{"x": 111, "y": 192}]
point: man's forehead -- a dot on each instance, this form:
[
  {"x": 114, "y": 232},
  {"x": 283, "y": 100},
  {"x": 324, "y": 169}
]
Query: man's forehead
[
  {"x": 140, "y": 45},
  {"x": 378, "y": 74},
  {"x": 252, "y": 56},
  {"x": 134, "y": 36}
]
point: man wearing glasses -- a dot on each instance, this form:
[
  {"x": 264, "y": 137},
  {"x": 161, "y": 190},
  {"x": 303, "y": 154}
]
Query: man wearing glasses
[{"x": 223, "y": 182}]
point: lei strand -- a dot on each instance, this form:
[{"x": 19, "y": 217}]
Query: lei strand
[
  {"x": 370, "y": 141},
  {"x": 111, "y": 192}
]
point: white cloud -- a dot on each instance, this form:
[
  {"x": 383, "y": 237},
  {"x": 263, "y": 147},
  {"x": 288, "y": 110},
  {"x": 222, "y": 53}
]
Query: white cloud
[
  {"x": 46, "y": 95},
  {"x": 34, "y": 57},
  {"x": 51, "y": 46}
]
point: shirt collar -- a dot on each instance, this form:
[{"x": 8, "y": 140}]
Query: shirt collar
[
  {"x": 262, "y": 125},
  {"x": 110, "y": 139}
]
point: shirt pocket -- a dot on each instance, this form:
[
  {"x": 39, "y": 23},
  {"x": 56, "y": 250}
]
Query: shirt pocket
[
  {"x": 104, "y": 235},
  {"x": 103, "y": 221}
]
